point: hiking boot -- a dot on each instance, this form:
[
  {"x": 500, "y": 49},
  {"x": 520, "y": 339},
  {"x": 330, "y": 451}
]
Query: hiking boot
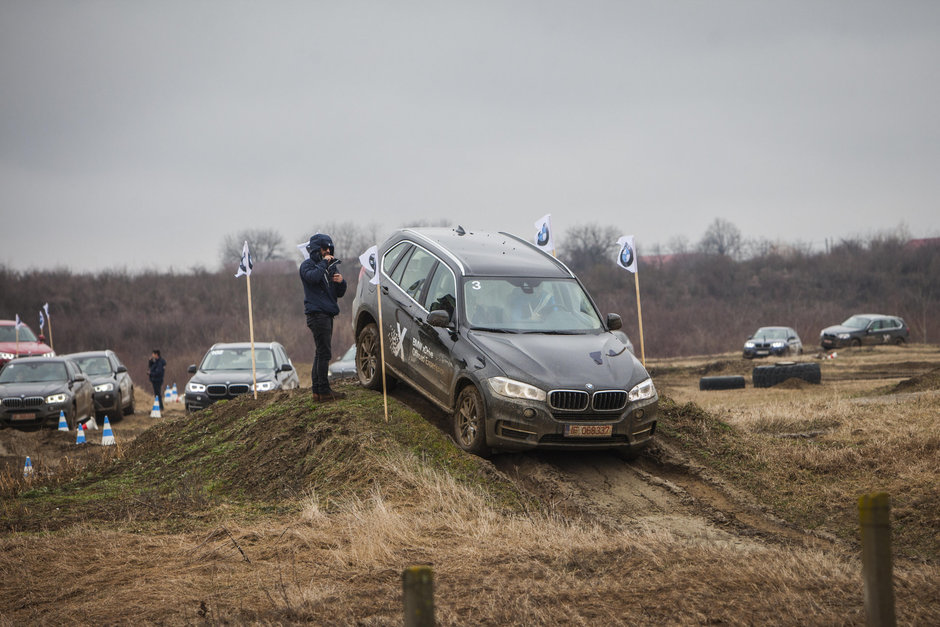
[{"x": 332, "y": 395}]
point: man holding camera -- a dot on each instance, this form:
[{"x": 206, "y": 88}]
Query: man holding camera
[{"x": 323, "y": 287}]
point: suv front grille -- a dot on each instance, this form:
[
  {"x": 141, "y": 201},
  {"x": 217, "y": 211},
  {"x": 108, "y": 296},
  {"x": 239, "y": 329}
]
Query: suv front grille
[
  {"x": 568, "y": 400},
  {"x": 612, "y": 400},
  {"x": 232, "y": 389},
  {"x": 18, "y": 403}
]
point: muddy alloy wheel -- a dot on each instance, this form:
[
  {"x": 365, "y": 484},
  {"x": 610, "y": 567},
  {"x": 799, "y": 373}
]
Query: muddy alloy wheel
[
  {"x": 470, "y": 422},
  {"x": 367, "y": 357}
]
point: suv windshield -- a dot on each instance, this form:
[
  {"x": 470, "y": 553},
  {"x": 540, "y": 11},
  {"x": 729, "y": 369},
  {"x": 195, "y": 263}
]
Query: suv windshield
[
  {"x": 94, "y": 365},
  {"x": 33, "y": 373},
  {"x": 237, "y": 359},
  {"x": 856, "y": 322},
  {"x": 8, "y": 334},
  {"x": 529, "y": 305},
  {"x": 771, "y": 333}
]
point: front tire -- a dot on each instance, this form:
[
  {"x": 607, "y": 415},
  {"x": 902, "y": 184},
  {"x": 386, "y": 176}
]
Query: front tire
[
  {"x": 369, "y": 357},
  {"x": 470, "y": 422}
]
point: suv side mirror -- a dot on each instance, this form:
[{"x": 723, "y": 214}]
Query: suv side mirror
[
  {"x": 438, "y": 318},
  {"x": 79, "y": 377},
  {"x": 191, "y": 369},
  {"x": 614, "y": 321},
  {"x": 285, "y": 368},
  {"x": 122, "y": 369}
]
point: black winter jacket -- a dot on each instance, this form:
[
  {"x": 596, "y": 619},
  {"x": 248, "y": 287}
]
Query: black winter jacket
[{"x": 320, "y": 292}]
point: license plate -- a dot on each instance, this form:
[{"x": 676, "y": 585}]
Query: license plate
[
  {"x": 16, "y": 417},
  {"x": 588, "y": 431}
]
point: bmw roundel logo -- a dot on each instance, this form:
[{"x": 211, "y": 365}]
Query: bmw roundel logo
[
  {"x": 543, "y": 235},
  {"x": 626, "y": 255},
  {"x": 589, "y": 386},
  {"x": 372, "y": 262}
]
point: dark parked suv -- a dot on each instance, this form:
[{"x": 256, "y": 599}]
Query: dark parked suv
[
  {"x": 505, "y": 338},
  {"x": 865, "y": 329}
]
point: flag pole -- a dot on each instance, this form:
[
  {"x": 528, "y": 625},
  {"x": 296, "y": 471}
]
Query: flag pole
[
  {"x": 17, "y": 331},
  {"x": 49, "y": 320},
  {"x": 639, "y": 313},
  {"x": 378, "y": 292},
  {"x": 251, "y": 336}
]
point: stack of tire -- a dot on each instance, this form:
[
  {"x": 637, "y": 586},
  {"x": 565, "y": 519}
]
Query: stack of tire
[{"x": 769, "y": 376}]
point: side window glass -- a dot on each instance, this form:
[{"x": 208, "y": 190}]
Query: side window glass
[
  {"x": 392, "y": 258},
  {"x": 442, "y": 291},
  {"x": 399, "y": 265},
  {"x": 417, "y": 269}
]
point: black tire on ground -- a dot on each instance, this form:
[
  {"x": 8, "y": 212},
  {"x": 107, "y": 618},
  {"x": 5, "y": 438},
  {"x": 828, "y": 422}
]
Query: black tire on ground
[
  {"x": 769, "y": 376},
  {"x": 721, "y": 383},
  {"x": 470, "y": 422},
  {"x": 856, "y": 343},
  {"x": 129, "y": 410},
  {"x": 368, "y": 357},
  {"x": 899, "y": 341}
]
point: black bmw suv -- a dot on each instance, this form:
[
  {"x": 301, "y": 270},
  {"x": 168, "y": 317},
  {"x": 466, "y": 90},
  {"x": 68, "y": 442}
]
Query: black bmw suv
[{"x": 506, "y": 339}]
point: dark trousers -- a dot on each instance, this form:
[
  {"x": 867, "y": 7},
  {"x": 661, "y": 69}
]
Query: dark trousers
[
  {"x": 321, "y": 325},
  {"x": 158, "y": 391}
]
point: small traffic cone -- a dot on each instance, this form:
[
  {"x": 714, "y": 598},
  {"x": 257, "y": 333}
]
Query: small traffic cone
[
  {"x": 155, "y": 412},
  {"x": 91, "y": 423},
  {"x": 167, "y": 395},
  {"x": 107, "y": 436},
  {"x": 80, "y": 435},
  {"x": 175, "y": 396},
  {"x": 63, "y": 423},
  {"x": 28, "y": 468}
]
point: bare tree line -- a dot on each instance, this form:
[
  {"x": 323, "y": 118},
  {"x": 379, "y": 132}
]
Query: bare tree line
[{"x": 704, "y": 300}]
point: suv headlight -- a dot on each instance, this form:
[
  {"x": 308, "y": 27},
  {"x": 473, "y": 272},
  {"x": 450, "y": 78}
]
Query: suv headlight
[
  {"x": 844, "y": 336},
  {"x": 642, "y": 390},
  {"x": 265, "y": 386},
  {"x": 516, "y": 389},
  {"x": 7, "y": 355},
  {"x": 104, "y": 387},
  {"x": 55, "y": 398},
  {"x": 195, "y": 387},
  {"x": 49, "y": 354},
  {"x": 778, "y": 344},
  {"x": 749, "y": 344}
]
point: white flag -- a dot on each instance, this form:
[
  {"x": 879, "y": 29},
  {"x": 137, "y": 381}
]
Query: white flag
[
  {"x": 245, "y": 266},
  {"x": 18, "y": 323},
  {"x": 626, "y": 253},
  {"x": 370, "y": 262},
  {"x": 42, "y": 321},
  {"x": 46, "y": 309},
  {"x": 303, "y": 250},
  {"x": 543, "y": 234}
]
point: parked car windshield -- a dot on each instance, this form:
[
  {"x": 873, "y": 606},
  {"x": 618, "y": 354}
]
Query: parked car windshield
[
  {"x": 237, "y": 359},
  {"x": 771, "y": 333},
  {"x": 8, "y": 334},
  {"x": 33, "y": 373},
  {"x": 94, "y": 365},
  {"x": 529, "y": 305},
  {"x": 856, "y": 322}
]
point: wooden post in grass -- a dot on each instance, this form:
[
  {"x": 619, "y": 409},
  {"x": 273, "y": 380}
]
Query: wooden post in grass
[
  {"x": 418, "y": 590},
  {"x": 874, "y": 514}
]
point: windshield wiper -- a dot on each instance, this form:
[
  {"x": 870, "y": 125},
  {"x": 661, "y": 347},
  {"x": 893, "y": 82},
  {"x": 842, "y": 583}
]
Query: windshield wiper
[{"x": 492, "y": 330}]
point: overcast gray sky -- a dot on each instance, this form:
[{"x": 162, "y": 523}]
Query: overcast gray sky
[{"x": 138, "y": 134}]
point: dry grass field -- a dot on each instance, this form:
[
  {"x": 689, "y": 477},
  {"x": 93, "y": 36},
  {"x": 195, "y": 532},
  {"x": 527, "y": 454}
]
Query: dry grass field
[{"x": 279, "y": 511}]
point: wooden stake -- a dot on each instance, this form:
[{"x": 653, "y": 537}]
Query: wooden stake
[
  {"x": 874, "y": 513},
  {"x": 639, "y": 314},
  {"x": 378, "y": 293},
  {"x": 251, "y": 335},
  {"x": 418, "y": 593}
]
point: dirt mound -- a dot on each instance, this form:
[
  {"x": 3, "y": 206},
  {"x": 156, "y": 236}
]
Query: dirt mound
[
  {"x": 719, "y": 367},
  {"x": 793, "y": 384},
  {"x": 276, "y": 449},
  {"x": 921, "y": 383}
]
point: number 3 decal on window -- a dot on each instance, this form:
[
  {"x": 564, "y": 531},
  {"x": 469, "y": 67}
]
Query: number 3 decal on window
[{"x": 476, "y": 285}]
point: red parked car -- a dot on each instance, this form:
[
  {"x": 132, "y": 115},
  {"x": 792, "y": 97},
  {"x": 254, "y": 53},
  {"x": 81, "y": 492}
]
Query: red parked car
[{"x": 28, "y": 346}]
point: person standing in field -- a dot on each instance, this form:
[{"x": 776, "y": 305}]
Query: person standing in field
[
  {"x": 156, "y": 368},
  {"x": 323, "y": 287}
]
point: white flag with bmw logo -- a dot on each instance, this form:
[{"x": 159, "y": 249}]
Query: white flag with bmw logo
[
  {"x": 369, "y": 261},
  {"x": 626, "y": 253},
  {"x": 543, "y": 234},
  {"x": 244, "y": 268}
]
